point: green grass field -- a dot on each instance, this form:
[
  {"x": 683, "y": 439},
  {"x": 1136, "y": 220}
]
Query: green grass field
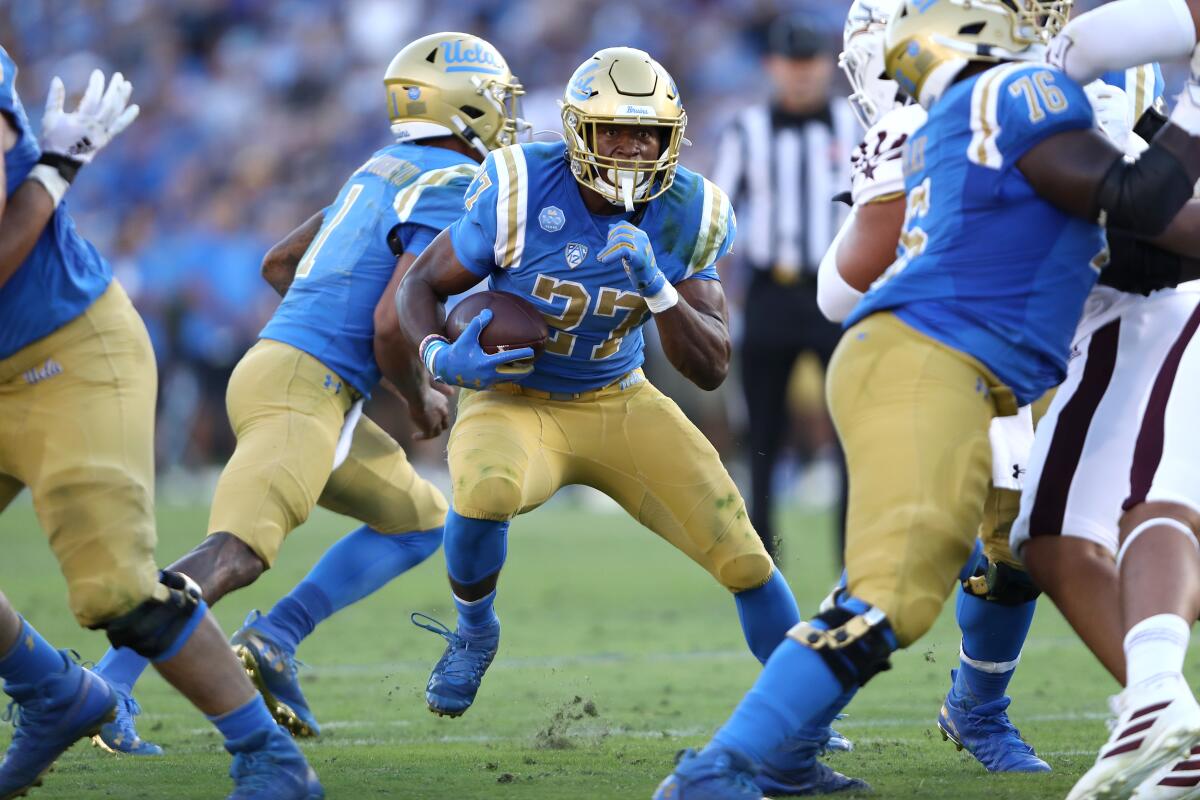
[{"x": 617, "y": 652}]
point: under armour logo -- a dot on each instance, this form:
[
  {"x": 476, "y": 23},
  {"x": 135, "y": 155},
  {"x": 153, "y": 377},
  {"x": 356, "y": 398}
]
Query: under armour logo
[
  {"x": 1017, "y": 472},
  {"x": 330, "y": 383}
]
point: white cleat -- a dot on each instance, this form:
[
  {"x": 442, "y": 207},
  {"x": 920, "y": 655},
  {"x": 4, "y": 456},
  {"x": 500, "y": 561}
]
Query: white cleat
[
  {"x": 1157, "y": 723},
  {"x": 1177, "y": 781}
]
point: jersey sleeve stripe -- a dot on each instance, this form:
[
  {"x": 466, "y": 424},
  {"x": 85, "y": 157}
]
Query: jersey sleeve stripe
[
  {"x": 713, "y": 223},
  {"x": 985, "y": 120},
  {"x": 1139, "y": 86},
  {"x": 511, "y": 201},
  {"x": 408, "y": 197}
]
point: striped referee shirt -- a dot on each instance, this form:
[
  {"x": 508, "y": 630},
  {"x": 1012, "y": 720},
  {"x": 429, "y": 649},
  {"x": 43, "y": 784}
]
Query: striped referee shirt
[{"x": 782, "y": 171}]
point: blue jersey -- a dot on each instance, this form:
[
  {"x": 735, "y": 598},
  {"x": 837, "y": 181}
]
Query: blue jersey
[
  {"x": 527, "y": 227},
  {"x": 329, "y": 310},
  {"x": 1144, "y": 85},
  {"x": 63, "y": 273},
  {"x": 985, "y": 264}
]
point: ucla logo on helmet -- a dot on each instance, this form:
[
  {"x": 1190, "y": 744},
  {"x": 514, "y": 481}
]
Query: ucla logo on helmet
[
  {"x": 575, "y": 254},
  {"x": 581, "y": 82},
  {"x": 635, "y": 111},
  {"x": 472, "y": 58},
  {"x": 552, "y": 219}
]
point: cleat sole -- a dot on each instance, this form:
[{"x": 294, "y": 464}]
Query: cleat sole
[
  {"x": 1174, "y": 748},
  {"x": 280, "y": 710}
]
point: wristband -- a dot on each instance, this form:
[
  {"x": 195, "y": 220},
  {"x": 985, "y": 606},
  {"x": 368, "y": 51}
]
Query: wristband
[
  {"x": 662, "y": 300},
  {"x": 430, "y": 346},
  {"x": 51, "y": 180}
]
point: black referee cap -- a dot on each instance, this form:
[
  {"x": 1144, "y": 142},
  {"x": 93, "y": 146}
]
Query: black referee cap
[{"x": 793, "y": 36}]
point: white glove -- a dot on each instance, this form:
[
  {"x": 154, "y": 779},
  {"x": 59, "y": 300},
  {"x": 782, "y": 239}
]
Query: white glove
[
  {"x": 1113, "y": 113},
  {"x": 102, "y": 114}
]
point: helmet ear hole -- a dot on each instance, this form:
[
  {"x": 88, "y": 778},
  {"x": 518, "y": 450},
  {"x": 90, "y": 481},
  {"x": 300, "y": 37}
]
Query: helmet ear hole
[
  {"x": 974, "y": 29},
  {"x": 471, "y": 111}
]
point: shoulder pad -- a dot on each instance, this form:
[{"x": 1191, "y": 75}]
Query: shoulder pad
[{"x": 877, "y": 165}]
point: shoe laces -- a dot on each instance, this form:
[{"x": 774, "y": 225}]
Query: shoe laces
[
  {"x": 992, "y": 718},
  {"x": 461, "y": 660}
]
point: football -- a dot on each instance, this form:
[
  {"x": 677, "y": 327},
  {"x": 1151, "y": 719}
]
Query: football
[{"x": 515, "y": 322}]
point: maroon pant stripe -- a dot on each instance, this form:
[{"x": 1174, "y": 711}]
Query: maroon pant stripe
[
  {"x": 1147, "y": 453},
  {"x": 1066, "y": 447}
]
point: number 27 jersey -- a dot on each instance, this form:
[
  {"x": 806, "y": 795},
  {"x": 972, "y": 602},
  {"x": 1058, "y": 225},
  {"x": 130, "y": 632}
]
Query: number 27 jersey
[{"x": 527, "y": 228}]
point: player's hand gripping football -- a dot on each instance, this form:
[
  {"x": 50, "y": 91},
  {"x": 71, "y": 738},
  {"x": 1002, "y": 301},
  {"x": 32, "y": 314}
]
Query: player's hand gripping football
[
  {"x": 631, "y": 244},
  {"x": 463, "y": 362},
  {"x": 101, "y": 115}
]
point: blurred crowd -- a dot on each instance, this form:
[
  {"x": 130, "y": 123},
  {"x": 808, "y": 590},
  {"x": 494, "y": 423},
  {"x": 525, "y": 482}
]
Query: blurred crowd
[{"x": 255, "y": 111}]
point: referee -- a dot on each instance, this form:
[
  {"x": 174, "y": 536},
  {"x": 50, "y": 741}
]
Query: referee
[{"x": 781, "y": 163}]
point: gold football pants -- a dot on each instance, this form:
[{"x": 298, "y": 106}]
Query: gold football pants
[
  {"x": 287, "y": 410},
  {"x": 913, "y": 417},
  {"x": 77, "y": 428},
  {"x": 512, "y": 448}
]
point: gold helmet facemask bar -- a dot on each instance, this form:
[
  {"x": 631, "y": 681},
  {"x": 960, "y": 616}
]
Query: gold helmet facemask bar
[{"x": 625, "y": 182}]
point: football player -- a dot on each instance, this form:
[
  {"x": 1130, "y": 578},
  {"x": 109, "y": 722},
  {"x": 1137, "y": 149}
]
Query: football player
[
  {"x": 996, "y": 603},
  {"x": 77, "y": 391},
  {"x": 599, "y": 233},
  {"x": 1121, "y": 34},
  {"x": 295, "y": 398},
  {"x": 972, "y": 320}
]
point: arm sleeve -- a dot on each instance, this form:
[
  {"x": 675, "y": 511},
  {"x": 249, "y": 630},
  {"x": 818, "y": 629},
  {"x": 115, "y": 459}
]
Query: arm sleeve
[
  {"x": 1120, "y": 35},
  {"x": 430, "y": 204},
  {"x": 835, "y": 297},
  {"x": 415, "y": 238},
  {"x": 473, "y": 234}
]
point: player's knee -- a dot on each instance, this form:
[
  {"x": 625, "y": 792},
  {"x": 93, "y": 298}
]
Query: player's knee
[
  {"x": 854, "y": 638},
  {"x": 745, "y": 571},
  {"x": 159, "y": 626},
  {"x": 492, "y": 494}
]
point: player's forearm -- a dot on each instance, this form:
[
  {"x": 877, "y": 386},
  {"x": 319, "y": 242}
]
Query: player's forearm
[
  {"x": 23, "y": 217},
  {"x": 280, "y": 262},
  {"x": 1182, "y": 236},
  {"x": 400, "y": 364},
  {"x": 1125, "y": 34},
  {"x": 696, "y": 343}
]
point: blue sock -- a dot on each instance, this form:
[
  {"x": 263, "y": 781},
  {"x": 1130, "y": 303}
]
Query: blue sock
[
  {"x": 767, "y": 613},
  {"x": 245, "y": 720},
  {"x": 993, "y": 635},
  {"x": 360, "y": 563},
  {"x": 477, "y": 614},
  {"x": 475, "y": 548},
  {"x": 30, "y": 659},
  {"x": 122, "y": 667},
  {"x": 795, "y": 691}
]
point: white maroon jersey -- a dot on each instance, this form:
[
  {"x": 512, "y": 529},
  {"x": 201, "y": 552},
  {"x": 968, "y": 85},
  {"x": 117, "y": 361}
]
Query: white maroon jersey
[{"x": 877, "y": 165}]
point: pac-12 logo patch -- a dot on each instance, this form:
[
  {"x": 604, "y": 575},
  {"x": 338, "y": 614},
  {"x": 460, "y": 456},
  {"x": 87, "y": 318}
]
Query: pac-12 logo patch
[
  {"x": 575, "y": 254},
  {"x": 552, "y": 218}
]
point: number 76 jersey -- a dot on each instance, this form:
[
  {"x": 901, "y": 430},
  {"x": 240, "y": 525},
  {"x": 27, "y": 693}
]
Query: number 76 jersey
[
  {"x": 985, "y": 264},
  {"x": 526, "y": 228}
]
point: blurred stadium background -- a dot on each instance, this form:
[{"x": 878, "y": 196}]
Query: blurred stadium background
[{"x": 255, "y": 111}]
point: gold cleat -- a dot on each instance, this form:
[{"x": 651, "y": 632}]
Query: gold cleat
[{"x": 280, "y": 710}]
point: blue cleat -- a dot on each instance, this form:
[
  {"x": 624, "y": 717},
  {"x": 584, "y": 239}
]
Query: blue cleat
[
  {"x": 986, "y": 732},
  {"x": 272, "y": 668},
  {"x": 50, "y": 716},
  {"x": 712, "y": 774},
  {"x": 457, "y": 674},
  {"x": 267, "y": 765},
  {"x": 120, "y": 736},
  {"x": 794, "y": 771}
]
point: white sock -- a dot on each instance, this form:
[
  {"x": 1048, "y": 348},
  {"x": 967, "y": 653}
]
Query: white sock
[
  {"x": 1124, "y": 34},
  {"x": 1155, "y": 647}
]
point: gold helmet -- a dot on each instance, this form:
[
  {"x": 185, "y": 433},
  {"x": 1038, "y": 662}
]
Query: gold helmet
[
  {"x": 454, "y": 83},
  {"x": 930, "y": 41},
  {"x": 624, "y": 86}
]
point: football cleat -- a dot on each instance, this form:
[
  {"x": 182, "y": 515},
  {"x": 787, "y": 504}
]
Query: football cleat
[
  {"x": 986, "y": 732},
  {"x": 1157, "y": 724},
  {"x": 794, "y": 771},
  {"x": 1178, "y": 781},
  {"x": 712, "y": 774},
  {"x": 120, "y": 735},
  {"x": 456, "y": 676},
  {"x": 267, "y": 765},
  {"x": 50, "y": 716},
  {"x": 273, "y": 671}
]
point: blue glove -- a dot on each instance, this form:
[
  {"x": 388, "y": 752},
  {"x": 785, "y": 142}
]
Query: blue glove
[
  {"x": 632, "y": 246},
  {"x": 464, "y": 363}
]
